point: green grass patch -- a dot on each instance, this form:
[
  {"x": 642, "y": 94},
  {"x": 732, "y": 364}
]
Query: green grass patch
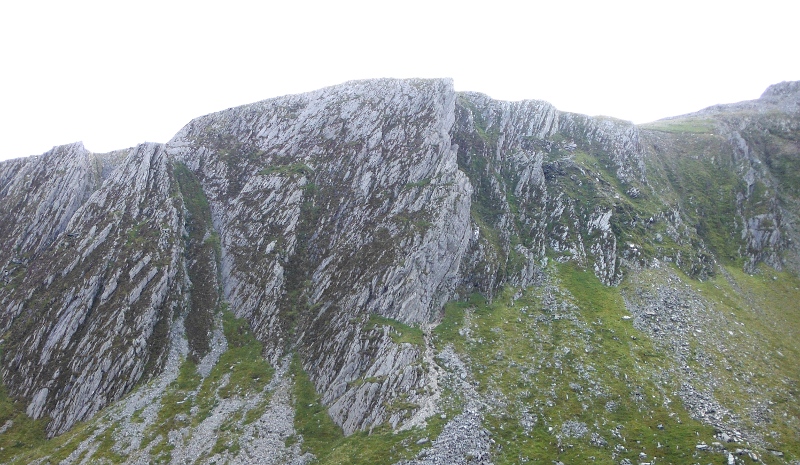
[
  {"x": 399, "y": 331},
  {"x": 323, "y": 438},
  {"x": 190, "y": 399},
  {"x": 311, "y": 419},
  {"x": 178, "y": 399},
  {"x": 194, "y": 198},
  {"x": 258, "y": 411},
  {"x": 25, "y": 433},
  {"x": 175, "y": 409},
  {"x": 105, "y": 452},
  {"x": 421, "y": 183},
  {"x": 248, "y": 371},
  {"x": 573, "y": 361},
  {"x": 682, "y": 126},
  {"x": 708, "y": 190},
  {"x": 227, "y": 437},
  {"x": 25, "y": 440}
]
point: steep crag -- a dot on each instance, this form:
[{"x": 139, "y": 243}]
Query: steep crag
[{"x": 336, "y": 225}]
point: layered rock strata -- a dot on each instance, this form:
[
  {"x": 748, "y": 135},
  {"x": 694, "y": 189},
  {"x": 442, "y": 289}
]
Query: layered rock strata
[{"x": 332, "y": 221}]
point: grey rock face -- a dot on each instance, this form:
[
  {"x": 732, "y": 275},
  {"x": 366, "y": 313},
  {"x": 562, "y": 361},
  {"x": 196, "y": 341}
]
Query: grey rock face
[
  {"x": 358, "y": 205},
  {"x": 88, "y": 320},
  {"x": 765, "y": 152},
  {"x": 513, "y": 152},
  {"x": 40, "y": 194},
  {"x": 785, "y": 94},
  {"x": 334, "y": 220}
]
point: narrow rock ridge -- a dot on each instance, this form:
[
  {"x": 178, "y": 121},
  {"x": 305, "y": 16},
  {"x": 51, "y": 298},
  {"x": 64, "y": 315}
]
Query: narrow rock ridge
[
  {"x": 511, "y": 151},
  {"x": 40, "y": 194}
]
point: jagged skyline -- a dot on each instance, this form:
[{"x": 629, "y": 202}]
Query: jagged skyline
[
  {"x": 409, "y": 275},
  {"x": 114, "y": 77}
]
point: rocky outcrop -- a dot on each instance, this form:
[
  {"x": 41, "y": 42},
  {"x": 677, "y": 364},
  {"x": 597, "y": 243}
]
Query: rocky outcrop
[
  {"x": 757, "y": 147},
  {"x": 517, "y": 155},
  {"x": 38, "y": 197},
  {"x": 88, "y": 319},
  {"x": 337, "y": 222},
  {"x": 359, "y": 208}
]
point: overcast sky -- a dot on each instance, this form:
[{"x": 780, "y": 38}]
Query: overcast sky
[{"x": 114, "y": 74}]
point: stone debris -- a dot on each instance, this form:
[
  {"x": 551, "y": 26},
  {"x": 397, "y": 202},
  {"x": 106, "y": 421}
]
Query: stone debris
[
  {"x": 574, "y": 429},
  {"x": 463, "y": 439},
  {"x": 674, "y": 315}
]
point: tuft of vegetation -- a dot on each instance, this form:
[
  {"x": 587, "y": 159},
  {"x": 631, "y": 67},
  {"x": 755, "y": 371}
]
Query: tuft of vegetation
[
  {"x": 421, "y": 183},
  {"x": 682, "y": 126},
  {"x": 243, "y": 364},
  {"x": 399, "y": 331}
]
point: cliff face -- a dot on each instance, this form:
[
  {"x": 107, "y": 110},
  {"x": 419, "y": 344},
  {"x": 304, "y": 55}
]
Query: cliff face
[
  {"x": 517, "y": 156},
  {"x": 338, "y": 223},
  {"x": 87, "y": 307},
  {"x": 332, "y": 206}
]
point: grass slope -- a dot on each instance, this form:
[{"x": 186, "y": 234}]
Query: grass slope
[{"x": 573, "y": 380}]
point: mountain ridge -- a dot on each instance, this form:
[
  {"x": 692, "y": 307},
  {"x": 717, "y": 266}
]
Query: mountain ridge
[{"x": 338, "y": 223}]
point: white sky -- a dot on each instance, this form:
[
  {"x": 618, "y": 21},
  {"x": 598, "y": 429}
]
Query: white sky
[{"x": 114, "y": 74}]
